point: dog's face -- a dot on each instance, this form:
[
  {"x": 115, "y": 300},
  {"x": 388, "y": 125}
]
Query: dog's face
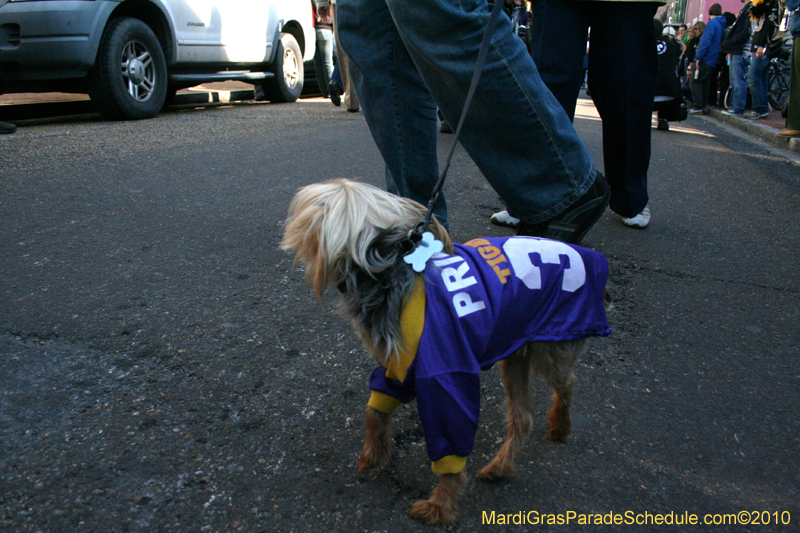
[{"x": 336, "y": 225}]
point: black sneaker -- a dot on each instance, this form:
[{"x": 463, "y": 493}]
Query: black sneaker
[{"x": 574, "y": 222}]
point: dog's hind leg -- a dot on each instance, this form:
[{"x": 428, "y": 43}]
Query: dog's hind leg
[
  {"x": 516, "y": 371},
  {"x": 556, "y": 369}
]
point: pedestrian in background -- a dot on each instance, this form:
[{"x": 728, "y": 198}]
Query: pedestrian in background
[
  {"x": 668, "y": 101},
  {"x": 737, "y": 46},
  {"x": 721, "y": 75},
  {"x": 323, "y": 58},
  {"x": 766, "y": 17},
  {"x": 683, "y": 34},
  {"x": 695, "y": 32},
  {"x": 793, "y": 113},
  {"x": 622, "y": 74},
  {"x": 705, "y": 59},
  {"x": 341, "y": 87}
]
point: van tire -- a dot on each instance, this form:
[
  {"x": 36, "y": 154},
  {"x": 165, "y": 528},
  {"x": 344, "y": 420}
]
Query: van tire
[
  {"x": 287, "y": 67},
  {"x": 129, "y": 78}
]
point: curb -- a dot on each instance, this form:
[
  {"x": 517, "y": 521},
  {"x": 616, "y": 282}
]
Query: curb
[
  {"x": 760, "y": 131},
  {"x": 28, "y": 113}
]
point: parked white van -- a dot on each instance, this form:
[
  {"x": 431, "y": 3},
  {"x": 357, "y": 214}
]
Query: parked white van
[{"x": 131, "y": 56}]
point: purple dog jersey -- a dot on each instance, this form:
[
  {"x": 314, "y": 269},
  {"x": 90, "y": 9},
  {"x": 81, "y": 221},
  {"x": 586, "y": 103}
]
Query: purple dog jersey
[{"x": 475, "y": 308}]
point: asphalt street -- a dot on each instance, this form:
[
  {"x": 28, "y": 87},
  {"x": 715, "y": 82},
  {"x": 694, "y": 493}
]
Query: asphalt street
[{"x": 164, "y": 367}]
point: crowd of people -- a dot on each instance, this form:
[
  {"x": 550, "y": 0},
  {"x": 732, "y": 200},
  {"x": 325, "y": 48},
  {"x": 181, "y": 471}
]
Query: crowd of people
[{"x": 735, "y": 51}]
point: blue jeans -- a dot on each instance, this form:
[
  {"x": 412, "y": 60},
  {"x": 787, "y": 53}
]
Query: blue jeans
[
  {"x": 739, "y": 67},
  {"x": 407, "y": 57},
  {"x": 757, "y": 83},
  {"x": 323, "y": 59},
  {"x": 623, "y": 71}
]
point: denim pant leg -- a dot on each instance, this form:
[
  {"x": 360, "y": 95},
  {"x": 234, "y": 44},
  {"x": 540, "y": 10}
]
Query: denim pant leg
[
  {"x": 623, "y": 70},
  {"x": 739, "y": 66},
  {"x": 323, "y": 58},
  {"x": 396, "y": 104},
  {"x": 756, "y": 82},
  {"x": 515, "y": 131}
]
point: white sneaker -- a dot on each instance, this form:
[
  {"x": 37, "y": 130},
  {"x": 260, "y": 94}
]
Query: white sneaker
[
  {"x": 504, "y": 219},
  {"x": 640, "y": 221}
]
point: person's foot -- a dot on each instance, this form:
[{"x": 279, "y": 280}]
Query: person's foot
[
  {"x": 640, "y": 221},
  {"x": 336, "y": 94},
  {"x": 353, "y": 109},
  {"x": 787, "y": 133},
  {"x": 258, "y": 94},
  {"x": 5, "y": 127},
  {"x": 573, "y": 223},
  {"x": 502, "y": 218},
  {"x": 697, "y": 110},
  {"x": 755, "y": 115},
  {"x": 732, "y": 113},
  {"x": 663, "y": 125}
]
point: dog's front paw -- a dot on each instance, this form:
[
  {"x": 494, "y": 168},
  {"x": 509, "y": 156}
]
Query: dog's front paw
[
  {"x": 434, "y": 513},
  {"x": 373, "y": 456},
  {"x": 497, "y": 470}
]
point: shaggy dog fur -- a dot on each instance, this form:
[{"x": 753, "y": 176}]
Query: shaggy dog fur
[{"x": 354, "y": 236}]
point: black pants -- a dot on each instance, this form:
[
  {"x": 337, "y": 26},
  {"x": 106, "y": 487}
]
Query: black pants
[
  {"x": 701, "y": 84},
  {"x": 623, "y": 68}
]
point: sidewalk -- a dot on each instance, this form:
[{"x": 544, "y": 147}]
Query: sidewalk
[
  {"x": 765, "y": 129},
  {"x": 20, "y": 108}
]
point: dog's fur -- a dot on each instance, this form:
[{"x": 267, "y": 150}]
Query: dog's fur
[{"x": 352, "y": 235}]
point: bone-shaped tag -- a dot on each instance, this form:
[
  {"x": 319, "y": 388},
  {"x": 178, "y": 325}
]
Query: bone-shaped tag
[{"x": 427, "y": 247}]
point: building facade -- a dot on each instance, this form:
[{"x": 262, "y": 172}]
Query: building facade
[{"x": 690, "y": 11}]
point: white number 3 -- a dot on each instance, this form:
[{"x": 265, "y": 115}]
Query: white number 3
[{"x": 519, "y": 253}]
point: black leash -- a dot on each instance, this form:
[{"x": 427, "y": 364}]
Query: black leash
[{"x": 416, "y": 234}]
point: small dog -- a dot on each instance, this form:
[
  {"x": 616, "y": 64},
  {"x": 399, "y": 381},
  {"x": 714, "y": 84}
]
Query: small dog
[{"x": 527, "y": 304}]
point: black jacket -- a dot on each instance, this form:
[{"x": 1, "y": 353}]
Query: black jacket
[
  {"x": 766, "y": 14},
  {"x": 740, "y": 33}
]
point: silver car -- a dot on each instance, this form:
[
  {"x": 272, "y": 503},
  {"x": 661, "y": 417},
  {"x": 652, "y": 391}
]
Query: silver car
[{"x": 131, "y": 56}]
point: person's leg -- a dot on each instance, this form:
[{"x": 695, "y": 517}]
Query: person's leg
[
  {"x": 559, "y": 32},
  {"x": 707, "y": 73},
  {"x": 793, "y": 114},
  {"x": 739, "y": 65},
  {"x": 397, "y": 106},
  {"x": 712, "y": 85},
  {"x": 623, "y": 71},
  {"x": 756, "y": 84},
  {"x": 323, "y": 59},
  {"x": 515, "y": 131}
]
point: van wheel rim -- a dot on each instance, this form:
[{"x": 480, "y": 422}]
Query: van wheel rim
[
  {"x": 291, "y": 70},
  {"x": 138, "y": 71}
]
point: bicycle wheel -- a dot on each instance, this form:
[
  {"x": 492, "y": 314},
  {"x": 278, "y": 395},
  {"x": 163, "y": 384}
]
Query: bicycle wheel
[{"x": 778, "y": 86}]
